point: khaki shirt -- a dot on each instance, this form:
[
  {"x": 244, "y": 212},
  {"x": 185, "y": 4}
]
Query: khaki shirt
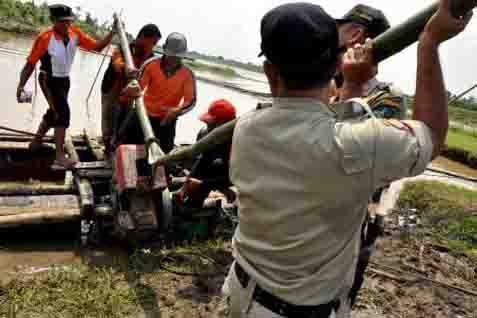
[{"x": 304, "y": 181}]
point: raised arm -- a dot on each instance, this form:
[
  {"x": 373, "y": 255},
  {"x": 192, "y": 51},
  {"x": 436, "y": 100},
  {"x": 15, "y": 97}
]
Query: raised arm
[{"x": 430, "y": 103}]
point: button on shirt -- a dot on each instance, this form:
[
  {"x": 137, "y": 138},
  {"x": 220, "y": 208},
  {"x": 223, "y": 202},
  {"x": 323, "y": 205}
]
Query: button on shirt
[{"x": 303, "y": 183}]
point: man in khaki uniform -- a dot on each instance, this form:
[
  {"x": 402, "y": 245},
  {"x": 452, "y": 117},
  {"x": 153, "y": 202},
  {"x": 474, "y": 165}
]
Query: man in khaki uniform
[{"x": 304, "y": 179}]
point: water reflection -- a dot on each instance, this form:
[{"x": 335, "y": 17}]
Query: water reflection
[{"x": 27, "y": 116}]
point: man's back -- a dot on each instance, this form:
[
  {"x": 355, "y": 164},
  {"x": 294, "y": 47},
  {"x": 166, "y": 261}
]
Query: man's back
[{"x": 304, "y": 181}]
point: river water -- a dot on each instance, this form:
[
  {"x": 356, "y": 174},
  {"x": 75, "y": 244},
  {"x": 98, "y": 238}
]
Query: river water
[{"x": 13, "y": 52}]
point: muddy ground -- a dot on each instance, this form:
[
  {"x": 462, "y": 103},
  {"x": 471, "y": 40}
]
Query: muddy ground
[{"x": 409, "y": 276}]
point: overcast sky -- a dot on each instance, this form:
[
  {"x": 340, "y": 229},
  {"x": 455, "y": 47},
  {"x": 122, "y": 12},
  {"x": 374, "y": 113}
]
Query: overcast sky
[{"x": 231, "y": 29}]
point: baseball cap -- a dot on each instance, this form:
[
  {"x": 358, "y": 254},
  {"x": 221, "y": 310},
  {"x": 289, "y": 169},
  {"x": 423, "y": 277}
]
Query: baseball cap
[
  {"x": 373, "y": 19},
  {"x": 61, "y": 12},
  {"x": 220, "y": 111},
  {"x": 299, "y": 37},
  {"x": 176, "y": 45}
]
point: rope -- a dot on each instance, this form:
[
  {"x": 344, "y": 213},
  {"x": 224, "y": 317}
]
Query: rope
[
  {"x": 21, "y": 132},
  {"x": 88, "y": 112}
]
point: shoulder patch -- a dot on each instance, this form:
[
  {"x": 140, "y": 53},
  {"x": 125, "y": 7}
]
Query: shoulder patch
[{"x": 399, "y": 125}]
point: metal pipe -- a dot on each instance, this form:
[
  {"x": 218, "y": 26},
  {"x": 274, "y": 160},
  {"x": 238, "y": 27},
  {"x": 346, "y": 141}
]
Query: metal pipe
[
  {"x": 154, "y": 151},
  {"x": 403, "y": 35}
]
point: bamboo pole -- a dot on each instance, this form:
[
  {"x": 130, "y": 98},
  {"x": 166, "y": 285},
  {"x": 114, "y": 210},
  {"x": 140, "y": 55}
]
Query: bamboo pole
[
  {"x": 388, "y": 44},
  {"x": 154, "y": 151}
]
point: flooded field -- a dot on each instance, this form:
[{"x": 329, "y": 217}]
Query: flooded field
[{"x": 87, "y": 116}]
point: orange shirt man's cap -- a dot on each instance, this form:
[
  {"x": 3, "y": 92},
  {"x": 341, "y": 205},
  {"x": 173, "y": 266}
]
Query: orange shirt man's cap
[{"x": 220, "y": 111}]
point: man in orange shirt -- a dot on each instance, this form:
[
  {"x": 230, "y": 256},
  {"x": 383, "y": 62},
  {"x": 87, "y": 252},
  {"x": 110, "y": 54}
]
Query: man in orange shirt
[
  {"x": 116, "y": 76},
  {"x": 56, "y": 49},
  {"x": 169, "y": 90}
]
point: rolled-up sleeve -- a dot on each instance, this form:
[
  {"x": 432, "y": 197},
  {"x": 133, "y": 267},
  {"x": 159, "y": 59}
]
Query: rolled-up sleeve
[
  {"x": 392, "y": 149},
  {"x": 403, "y": 149}
]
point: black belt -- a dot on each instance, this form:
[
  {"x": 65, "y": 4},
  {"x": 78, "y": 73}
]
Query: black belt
[{"x": 280, "y": 306}]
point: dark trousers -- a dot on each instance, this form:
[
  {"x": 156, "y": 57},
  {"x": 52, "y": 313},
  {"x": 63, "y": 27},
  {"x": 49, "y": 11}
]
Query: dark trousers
[
  {"x": 58, "y": 87},
  {"x": 127, "y": 129}
]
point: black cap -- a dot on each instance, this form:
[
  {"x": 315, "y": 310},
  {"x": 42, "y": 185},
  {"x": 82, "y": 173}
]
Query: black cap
[
  {"x": 373, "y": 19},
  {"x": 299, "y": 37},
  {"x": 149, "y": 31},
  {"x": 61, "y": 12}
]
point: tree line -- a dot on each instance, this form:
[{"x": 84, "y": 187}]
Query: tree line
[{"x": 30, "y": 17}]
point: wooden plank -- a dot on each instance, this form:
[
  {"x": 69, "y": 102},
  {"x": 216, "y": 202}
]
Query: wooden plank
[
  {"x": 13, "y": 205},
  {"x": 12, "y": 189},
  {"x": 45, "y": 217}
]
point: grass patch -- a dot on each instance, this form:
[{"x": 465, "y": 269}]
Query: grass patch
[
  {"x": 464, "y": 116},
  {"x": 135, "y": 289},
  {"x": 76, "y": 292},
  {"x": 458, "y": 138},
  {"x": 447, "y": 213},
  {"x": 220, "y": 70}
]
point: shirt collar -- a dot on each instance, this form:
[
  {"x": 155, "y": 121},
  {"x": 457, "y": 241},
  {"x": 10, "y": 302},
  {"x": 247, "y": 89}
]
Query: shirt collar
[{"x": 303, "y": 104}]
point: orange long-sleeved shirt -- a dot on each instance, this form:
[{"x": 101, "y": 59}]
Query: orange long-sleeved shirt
[{"x": 163, "y": 92}]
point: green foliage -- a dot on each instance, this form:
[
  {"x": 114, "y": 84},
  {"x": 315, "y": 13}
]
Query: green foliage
[
  {"x": 220, "y": 70},
  {"x": 29, "y": 18},
  {"x": 447, "y": 213},
  {"x": 463, "y": 116},
  {"x": 220, "y": 59},
  {"x": 457, "y": 138}
]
